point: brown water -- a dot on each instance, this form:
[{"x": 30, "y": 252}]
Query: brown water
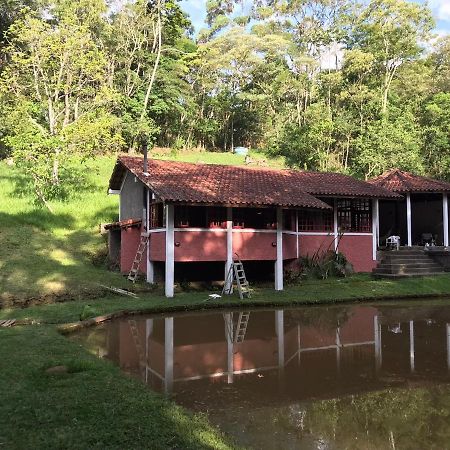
[{"x": 356, "y": 377}]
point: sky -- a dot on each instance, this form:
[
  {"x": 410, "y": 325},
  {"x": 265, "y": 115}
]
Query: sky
[{"x": 441, "y": 10}]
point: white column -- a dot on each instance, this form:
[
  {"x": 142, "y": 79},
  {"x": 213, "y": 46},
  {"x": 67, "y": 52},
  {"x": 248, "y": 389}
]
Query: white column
[
  {"x": 168, "y": 354},
  {"x": 377, "y": 339},
  {"x": 335, "y": 225},
  {"x": 448, "y": 346},
  {"x": 279, "y": 261},
  {"x": 411, "y": 346},
  {"x": 229, "y": 261},
  {"x": 150, "y": 264},
  {"x": 170, "y": 252},
  {"x": 279, "y": 330},
  {"x": 375, "y": 225},
  {"x": 408, "y": 218},
  {"x": 445, "y": 217},
  {"x": 296, "y": 234},
  {"x": 228, "y": 318}
]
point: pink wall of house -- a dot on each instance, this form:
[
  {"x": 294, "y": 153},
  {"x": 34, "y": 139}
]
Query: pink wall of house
[
  {"x": 310, "y": 244},
  {"x": 158, "y": 246},
  {"x": 129, "y": 243},
  {"x": 255, "y": 246},
  {"x": 200, "y": 246},
  {"x": 358, "y": 250},
  {"x": 289, "y": 246},
  {"x": 212, "y": 246}
]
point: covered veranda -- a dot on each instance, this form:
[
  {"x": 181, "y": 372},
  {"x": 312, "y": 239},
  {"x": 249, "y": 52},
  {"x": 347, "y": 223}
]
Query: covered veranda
[{"x": 421, "y": 216}]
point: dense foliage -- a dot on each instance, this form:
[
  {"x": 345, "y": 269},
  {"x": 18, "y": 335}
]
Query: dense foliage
[{"x": 344, "y": 85}]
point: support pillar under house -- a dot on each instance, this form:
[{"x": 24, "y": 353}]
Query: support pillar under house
[
  {"x": 279, "y": 260},
  {"x": 170, "y": 252}
]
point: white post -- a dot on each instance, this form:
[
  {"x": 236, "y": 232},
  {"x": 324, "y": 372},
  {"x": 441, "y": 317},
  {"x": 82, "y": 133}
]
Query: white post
[
  {"x": 228, "y": 317},
  {"x": 374, "y": 229},
  {"x": 448, "y": 346},
  {"x": 168, "y": 354},
  {"x": 411, "y": 346},
  {"x": 170, "y": 252},
  {"x": 279, "y": 330},
  {"x": 408, "y": 218},
  {"x": 150, "y": 264},
  {"x": 296, "y": 234},
  {"x": 229, "y": 262},
  {"x": 377, "y": 339},
  {"x": 445, "y": 217},
  {"x": 279, "y": 261},
  {"x": 335, "y": 225}
]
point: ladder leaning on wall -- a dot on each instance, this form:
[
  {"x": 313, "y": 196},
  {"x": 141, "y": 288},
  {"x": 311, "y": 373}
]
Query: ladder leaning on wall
[
  {"x": 236, "y": 273},
  {"x": 134, "y": 271}
]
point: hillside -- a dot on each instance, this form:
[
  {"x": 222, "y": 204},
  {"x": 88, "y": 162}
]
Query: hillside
[{"x": 44, "y": 256}]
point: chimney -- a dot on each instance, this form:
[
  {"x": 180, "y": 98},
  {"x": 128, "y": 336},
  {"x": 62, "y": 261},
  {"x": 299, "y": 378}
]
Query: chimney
[{"x": 145, "y": 150}]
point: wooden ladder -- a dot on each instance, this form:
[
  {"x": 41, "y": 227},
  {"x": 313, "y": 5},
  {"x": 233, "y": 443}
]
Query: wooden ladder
[
  {"x": 241, "y": 327},
  {"x": 236, "y": 273},
  {"x": 134, "y": 271}
]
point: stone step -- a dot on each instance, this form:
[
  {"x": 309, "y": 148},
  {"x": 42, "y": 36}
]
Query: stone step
[
  {"x": 407, "y": 271},
  {"x": 403, "y": 260},
  {"x": 404, "y": 253},
  {"x": 411, "y": 265},
  {"x": 394, "y": 276}
]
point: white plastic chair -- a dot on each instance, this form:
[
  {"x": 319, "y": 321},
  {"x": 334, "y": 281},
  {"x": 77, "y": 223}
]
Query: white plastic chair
[{"x": 393, "y": 242}]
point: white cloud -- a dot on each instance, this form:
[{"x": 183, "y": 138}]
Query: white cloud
[{"x": 441, "y": 9}]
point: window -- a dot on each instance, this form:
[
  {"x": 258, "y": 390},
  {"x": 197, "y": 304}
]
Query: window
[
  {"x": 258, "y": 218},
  {"x": 156, "y": 215},
  {"x": 354, "y": 215},
  {"x": 217, "y": 217},
  {"x": 289, "y": 219},
  {"x": 200, "y": 217},
  {"x": 314, "y": 220}
]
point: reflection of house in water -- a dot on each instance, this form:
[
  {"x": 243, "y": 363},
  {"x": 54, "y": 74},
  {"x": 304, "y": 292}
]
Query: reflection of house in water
[{"x": 364, "y": 348}]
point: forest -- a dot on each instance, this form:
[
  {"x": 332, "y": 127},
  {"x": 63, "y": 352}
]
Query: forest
[{"x": 332, "y": 85}]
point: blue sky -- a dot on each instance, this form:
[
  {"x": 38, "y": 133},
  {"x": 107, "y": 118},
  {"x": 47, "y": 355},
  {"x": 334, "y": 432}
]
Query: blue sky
[{"x": 441, "y": 9}]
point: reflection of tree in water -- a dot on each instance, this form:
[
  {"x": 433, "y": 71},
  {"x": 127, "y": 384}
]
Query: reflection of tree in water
[
  {"x": 395, "y": 418},
  {"x": 322, "y": 318}
]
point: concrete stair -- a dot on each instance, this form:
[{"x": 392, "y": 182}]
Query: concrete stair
[{"x": 406, "y": 262}]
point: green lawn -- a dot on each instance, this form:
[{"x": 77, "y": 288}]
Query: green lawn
[{"x": 92, "y": 406}]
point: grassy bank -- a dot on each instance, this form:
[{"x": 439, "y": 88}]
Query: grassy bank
[
  {"x": 358, "y": 288},
  {"x": 92, "y": 406}
]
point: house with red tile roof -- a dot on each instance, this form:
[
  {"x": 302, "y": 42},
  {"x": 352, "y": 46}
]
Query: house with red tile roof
[{"x": 198, "y": 217}]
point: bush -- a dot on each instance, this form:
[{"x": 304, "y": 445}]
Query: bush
[{"x": 321, "y": 265}]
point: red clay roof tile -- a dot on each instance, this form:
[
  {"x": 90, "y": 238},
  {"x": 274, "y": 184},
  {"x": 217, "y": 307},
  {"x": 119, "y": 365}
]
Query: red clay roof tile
[
  {"x": 402, "y": 182},
  {"x": 235, "y": 185}
]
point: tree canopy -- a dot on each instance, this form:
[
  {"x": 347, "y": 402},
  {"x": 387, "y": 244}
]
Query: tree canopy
[{"x": 343, "y": 85}]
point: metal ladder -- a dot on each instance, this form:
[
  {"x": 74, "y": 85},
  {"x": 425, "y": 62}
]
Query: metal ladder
[
  {"x": 241, "y": 327},
  {"x": 134, "y": 271},
  {"x": 237, "y": 272},
  {"x": 137, "y": 342}
]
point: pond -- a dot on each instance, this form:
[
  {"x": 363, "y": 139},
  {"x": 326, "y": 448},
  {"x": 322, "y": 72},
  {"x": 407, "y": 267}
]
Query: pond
[{"x": 364, "y": 377}]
